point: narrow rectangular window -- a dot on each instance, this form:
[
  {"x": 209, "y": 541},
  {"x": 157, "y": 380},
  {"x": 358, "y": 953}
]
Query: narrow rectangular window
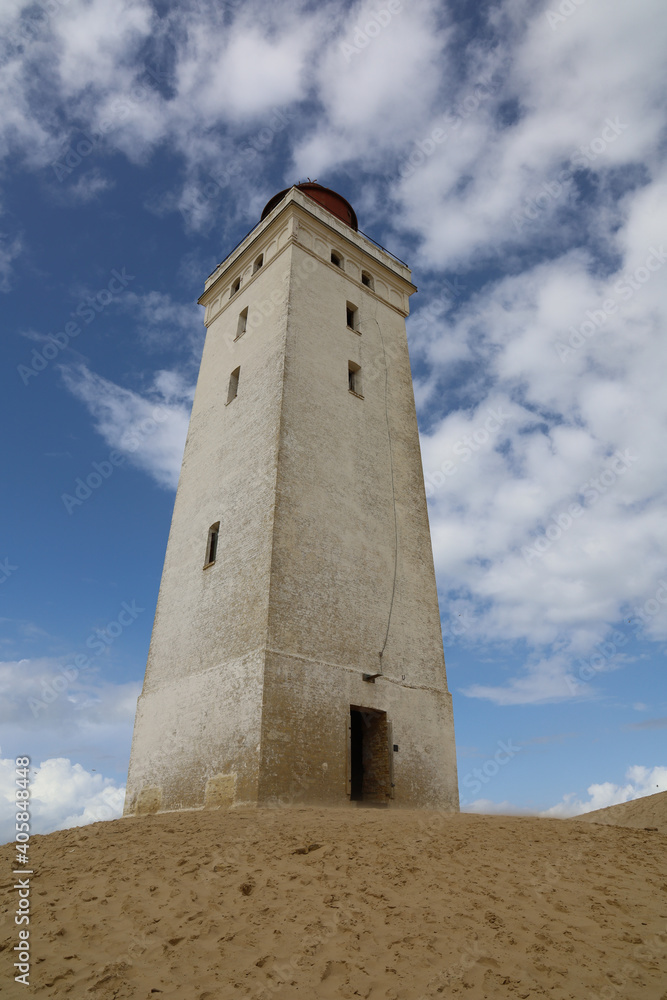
[
  {"x": 336, "y": 259},
  {"x": 354, "y": 378},
  {"x": 235, "y": 287},
  {"x": 233, "y": 390},
  {"x": 242, "y": 324},
  {"x": 366, "y": 280},
  {"x": 258, "y": 263},
  {"x": 212, "y": 544},
  {"x": 352, "y": 316}
]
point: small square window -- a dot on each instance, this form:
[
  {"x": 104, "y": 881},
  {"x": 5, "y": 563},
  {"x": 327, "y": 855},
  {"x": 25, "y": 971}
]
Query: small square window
[
  {"x": 366, "y": 280},
  {"x": 352, "y": 314},
  {"x": 235, "y": 287},
  {"x": 233, "y": 390},
  {"x": 336, "y": 259},
  {"x": 242, "y": 324},
  {"x": 354, "y": 378},
  {"x": 258, "y": 263}
]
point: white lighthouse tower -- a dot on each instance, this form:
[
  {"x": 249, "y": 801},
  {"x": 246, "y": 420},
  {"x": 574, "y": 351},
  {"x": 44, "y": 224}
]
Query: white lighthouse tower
[{"x": 297, "y": 652}]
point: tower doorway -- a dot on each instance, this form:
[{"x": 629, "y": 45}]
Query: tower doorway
[{"x": 369, "y": 757}]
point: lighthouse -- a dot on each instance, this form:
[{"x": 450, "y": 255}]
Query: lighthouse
[{"x": 296, "y": 654}]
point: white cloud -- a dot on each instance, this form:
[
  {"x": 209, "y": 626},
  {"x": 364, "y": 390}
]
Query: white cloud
[
  {"x": 500, "y": 508},
  {"x": 640, "y": 781},
  {"x": 62, "y": 795},
  {"x": 545, "y": 681},
  {"x": 9, "y": 251},
  {"x": 86, "y": 188},
  {"x": 228, "y": 69},
  {"x": 150, "y": 430},
  {"x": 22, "y": 130},
  {"x": 161, "y": 322},
  {"x": 246, "y": 72},
  {"x": 52, "y": 710},
  {"x": 54, "y": 695},
  {"x": 488, "y": 808},
  {"x": 660, "y": 723},
  {"x": 566, "y": 88},
  {"x": 376, "y": 97},
  {"x": 49, "y": 704},
  {"x": 211, "y": 75},
  {"x": 95, "y": 39}
]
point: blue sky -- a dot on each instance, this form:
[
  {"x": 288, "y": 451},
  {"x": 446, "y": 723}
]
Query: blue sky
[{"x": 513, "y": 154}]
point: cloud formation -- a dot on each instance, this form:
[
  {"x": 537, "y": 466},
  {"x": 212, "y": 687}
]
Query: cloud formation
[
  {"x": 518, "y": 167},
  {"x": 640, "y": 781},
  {"x": 149, "y": 430},
  {"x": 62, "y": 795}
]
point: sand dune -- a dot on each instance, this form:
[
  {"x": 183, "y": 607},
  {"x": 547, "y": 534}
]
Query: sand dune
[
  {"x": 649, "y": 811},
  {"x": 317, "y": 903}
]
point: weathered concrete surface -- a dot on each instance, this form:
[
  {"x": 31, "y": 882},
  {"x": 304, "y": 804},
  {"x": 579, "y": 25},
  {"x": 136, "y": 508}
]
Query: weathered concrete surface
[{"x": 324, "y": 556}]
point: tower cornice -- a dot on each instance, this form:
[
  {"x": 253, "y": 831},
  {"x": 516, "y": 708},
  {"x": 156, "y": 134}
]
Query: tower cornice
[{"x": 298, "y": 219}]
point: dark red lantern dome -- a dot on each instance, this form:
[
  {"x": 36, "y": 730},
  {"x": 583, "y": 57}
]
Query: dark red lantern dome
[{"x": 333, "y": 202}]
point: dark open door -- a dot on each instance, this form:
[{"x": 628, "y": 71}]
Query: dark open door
[{"x": 369, "y": 763}]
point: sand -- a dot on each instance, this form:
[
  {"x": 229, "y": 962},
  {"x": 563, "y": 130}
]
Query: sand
[{"x": 317, "y": 903}]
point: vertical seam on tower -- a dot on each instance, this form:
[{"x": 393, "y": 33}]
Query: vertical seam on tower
[
  {"x": 279, "y": 441},
  {"x": 273, "y": 518},
  {"x": 393, "y": 488}
]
